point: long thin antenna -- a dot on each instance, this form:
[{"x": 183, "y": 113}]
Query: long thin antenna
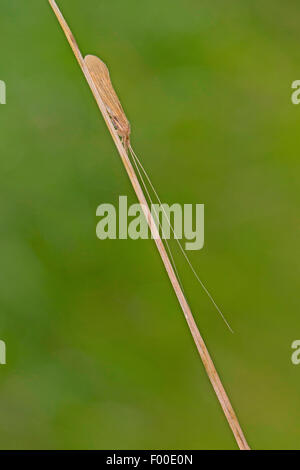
[
  {"x": 202, "y": 349},
  {"x": 156, "y": 215},
  {"x": 138, "y": 163}
]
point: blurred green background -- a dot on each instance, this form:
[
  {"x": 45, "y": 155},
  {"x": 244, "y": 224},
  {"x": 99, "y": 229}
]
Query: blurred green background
[{"x": 98, "y": 352}]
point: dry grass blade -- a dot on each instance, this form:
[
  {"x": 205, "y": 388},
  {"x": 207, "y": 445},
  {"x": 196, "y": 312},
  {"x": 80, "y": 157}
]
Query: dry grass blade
[{"x": 105, "y": 100}]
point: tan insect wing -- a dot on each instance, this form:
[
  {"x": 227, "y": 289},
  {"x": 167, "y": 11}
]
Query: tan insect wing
[{"x": 100, "y": 75}]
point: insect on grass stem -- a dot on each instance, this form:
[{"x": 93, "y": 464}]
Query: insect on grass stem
[{"x": 97, "y": 76}]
